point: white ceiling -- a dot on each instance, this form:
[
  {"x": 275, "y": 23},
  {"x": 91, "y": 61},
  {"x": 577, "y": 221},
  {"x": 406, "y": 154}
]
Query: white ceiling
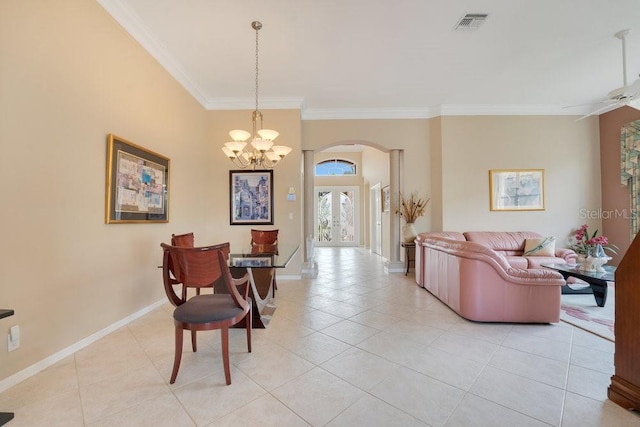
[{"x": 390, "y": 58}]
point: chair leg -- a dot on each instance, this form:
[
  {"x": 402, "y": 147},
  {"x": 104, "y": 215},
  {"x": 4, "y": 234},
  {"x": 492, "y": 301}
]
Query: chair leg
[
  {"x": 178, "y": 356},
  {"x": 225, "y": 353},
  {"x": 194, "y": 343},
  {"x": 248, "y": 322}
]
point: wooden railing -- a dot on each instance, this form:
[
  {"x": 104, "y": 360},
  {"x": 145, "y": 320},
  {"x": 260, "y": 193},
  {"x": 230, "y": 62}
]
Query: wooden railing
[{"x": 625, "y": 383}]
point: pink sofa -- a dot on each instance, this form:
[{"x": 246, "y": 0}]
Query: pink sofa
[{"x": 482, "y": 276}]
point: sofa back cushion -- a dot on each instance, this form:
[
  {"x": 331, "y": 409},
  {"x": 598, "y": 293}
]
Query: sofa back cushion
[
  {"x": 506, "y": 242},
  {"x": 451, "y": 235}
]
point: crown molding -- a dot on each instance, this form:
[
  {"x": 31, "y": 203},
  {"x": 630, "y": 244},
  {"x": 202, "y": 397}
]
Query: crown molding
[
  {"x": 366, "y": 113},
  {"x": 131, "y": 22},
  {"x": 511, "y": 110},
  {"x": 273, "y": 103}
]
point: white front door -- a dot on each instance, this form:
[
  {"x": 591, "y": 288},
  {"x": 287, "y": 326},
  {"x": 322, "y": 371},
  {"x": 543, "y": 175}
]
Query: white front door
[{"x": 336, "y": 216}]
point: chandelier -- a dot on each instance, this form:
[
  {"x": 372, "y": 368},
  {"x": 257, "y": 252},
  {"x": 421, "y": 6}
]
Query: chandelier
[{"x": 261, "y": 153}]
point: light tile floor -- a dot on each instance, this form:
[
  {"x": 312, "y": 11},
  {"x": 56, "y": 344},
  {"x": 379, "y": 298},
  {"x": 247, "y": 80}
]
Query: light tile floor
[{"x": 352, "y": 347}]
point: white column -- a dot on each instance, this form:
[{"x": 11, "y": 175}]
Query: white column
[
  {"x": 394, "y": 265},
  {"x": 309, "y": 268}
]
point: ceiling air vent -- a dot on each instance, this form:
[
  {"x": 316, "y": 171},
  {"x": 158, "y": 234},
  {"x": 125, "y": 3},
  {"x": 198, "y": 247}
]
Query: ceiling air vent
[{"x": 471, "y": 21}]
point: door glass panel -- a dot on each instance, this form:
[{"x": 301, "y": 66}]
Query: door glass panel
[
  {"x": 324, "y": 216},
  {"x": 347, "y": 233}
]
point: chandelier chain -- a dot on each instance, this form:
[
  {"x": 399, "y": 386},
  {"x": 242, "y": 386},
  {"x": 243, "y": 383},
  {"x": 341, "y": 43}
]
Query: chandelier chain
[
  {"x": 260, "y": 153},
  {"x": 257, "y": 29}
]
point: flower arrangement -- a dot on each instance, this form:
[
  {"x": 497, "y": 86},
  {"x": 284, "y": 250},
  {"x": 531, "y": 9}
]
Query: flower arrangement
[
  {"x": 412, "y": 208},
  {"x": 588, "y": 245}
]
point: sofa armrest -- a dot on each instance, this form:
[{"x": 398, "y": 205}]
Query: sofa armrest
[
  {"x": 542, "y": 275},
  {"x": 477, "y": 251},
  {"x": 569, "y": 255}
]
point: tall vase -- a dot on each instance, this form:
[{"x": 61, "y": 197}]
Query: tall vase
[{"x": 409, "y": 232}]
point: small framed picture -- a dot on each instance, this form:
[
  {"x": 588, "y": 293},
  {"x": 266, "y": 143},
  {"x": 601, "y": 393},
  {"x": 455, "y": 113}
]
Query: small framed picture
[
  {"x": 516, "y": 189},
  {"x": 137, "y": 183},
  {"x": 386, "y": 199},
  {"x": 251, "y": 197}
]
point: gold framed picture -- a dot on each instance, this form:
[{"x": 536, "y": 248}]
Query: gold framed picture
[
  {"x": 137, "y": 183},
  {"x": 516, "y": 189}
]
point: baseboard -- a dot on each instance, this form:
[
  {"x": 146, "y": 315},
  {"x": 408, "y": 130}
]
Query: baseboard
[
  {"x": 56, "y": 357},
  {"x": 624, "y": 393},
  {"x": 289, "y": 277},
  {"x": 394, "y": 267}
]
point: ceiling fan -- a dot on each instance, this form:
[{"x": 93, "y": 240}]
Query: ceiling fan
[{"x": 629, "y": 94}]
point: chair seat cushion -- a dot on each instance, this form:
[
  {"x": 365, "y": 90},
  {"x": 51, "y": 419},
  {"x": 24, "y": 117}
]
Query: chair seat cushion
[{"x": 207, "y": 308}]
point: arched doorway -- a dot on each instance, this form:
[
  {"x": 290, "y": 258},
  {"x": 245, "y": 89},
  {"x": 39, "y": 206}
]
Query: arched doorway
[{"x": 333, "y": 196}]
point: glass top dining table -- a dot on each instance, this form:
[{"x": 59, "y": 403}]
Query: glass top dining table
[{"x": 263, "y": 256}]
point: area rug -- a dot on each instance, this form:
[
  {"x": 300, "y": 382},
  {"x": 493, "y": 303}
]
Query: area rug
[{"x": 581, "y": 311}]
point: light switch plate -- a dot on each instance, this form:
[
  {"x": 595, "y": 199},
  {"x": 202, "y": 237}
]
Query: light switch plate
[{"x": 13, "y": 339}]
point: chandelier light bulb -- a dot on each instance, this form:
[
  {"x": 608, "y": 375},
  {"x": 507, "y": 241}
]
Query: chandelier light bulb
[
  {"x": 281, "y": 150},
  {"x": 230, "y": 154},
  {"x": 239, "y": 135},
  {"x": 235, "y": 146},
  {"x": 261, "y": 145},
  {"x": 272, "y": 156},
  {"x": 268, "y": 134}
]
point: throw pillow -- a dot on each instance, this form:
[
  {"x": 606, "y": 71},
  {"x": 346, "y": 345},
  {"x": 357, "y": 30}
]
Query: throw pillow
[{"x": 545, "y": 246}]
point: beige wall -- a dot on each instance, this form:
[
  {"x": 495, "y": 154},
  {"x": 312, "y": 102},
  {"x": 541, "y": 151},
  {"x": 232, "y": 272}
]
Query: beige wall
[
  {"x": 69, "y": 76},
  {"x": 434, "y": 209},
  {"x": 568, "y": 151}
]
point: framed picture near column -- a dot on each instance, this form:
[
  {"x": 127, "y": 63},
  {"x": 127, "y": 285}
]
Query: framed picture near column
[
  {"x": 137, "y": 183},
  {"x": 516, "y": 189},
  {"x": 386, "y": 199},
  {"x": 251, "y": 197}
]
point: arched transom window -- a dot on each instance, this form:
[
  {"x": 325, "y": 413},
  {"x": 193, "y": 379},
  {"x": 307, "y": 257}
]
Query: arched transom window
[{"x": 335, "y": 167}]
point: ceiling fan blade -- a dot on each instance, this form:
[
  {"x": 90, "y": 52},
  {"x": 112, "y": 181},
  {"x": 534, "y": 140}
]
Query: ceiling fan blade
[
  {"x": 608, "y": 107},
  {"x": 604, "y": 101}
]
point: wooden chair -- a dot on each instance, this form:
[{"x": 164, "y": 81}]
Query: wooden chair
[
  {"x": 183, "y": 240},
  {"x": 264, "y": 237},
  {"x": 265, "y": 241},
  {"x": 200, "y": 268},
  {"x": 186, "y": 240}
]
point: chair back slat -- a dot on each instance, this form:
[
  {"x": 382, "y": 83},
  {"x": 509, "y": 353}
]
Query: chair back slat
[
  {"x": 183, "y": 240},
  {"x": 264, "y": 237},
  {"x": 198, "y": 268}
]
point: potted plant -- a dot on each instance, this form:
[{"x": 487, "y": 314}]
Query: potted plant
[{"x": 410, "y": 210}]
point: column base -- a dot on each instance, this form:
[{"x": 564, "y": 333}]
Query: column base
[
  {"x": 394, "y": 267},
  {"x": 310, "y": 269}
]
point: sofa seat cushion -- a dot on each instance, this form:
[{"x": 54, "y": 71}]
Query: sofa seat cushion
[
  {"x": 517, "y": 261},
  {"x": 537, "y": 261}
]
